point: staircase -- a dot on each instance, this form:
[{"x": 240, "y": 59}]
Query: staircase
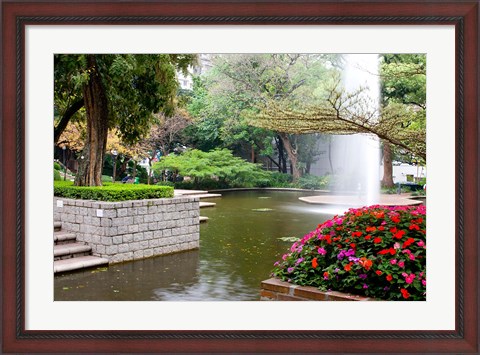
[
  {"x": 69, "y": 255},
  {"x": 200, "y": 194}
]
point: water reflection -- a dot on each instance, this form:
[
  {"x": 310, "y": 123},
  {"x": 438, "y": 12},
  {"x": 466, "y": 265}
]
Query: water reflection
[{"x": 238, "y": 247}]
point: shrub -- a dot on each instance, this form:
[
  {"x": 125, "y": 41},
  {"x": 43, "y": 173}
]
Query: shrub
[
  {"x": 218, "y": 164},
  {"x": 56, "y": 175},
  {"x": 111, "y": 192},
  {"x": 106, "y": 178},
  {"x": 56, "y": 166},
  {"x": 276, "y": 179},
  {"x": 312, "y": 182},
  {"x": 373, "y": 251}
]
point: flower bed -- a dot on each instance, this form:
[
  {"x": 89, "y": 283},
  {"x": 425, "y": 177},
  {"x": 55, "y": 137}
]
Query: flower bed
[{"x": 374, "y": 251}]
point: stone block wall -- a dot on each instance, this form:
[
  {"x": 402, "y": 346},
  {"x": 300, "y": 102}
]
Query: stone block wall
[
  {"x": 131, "y": 230},
  {"x": 277, "y": 290}
]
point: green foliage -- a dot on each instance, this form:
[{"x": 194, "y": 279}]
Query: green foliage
[
  {"x": 276, "y": 179},
  {"x": 375, "y": 251},
  {"x": 312, "y": 182},
  {"x": 106, "y": 178},
  {"x": 56, "y": 166},
  {"x": 136, "y": 86},
  {"x": 235, "y": 88},
  {"x": 111, "y": 192},
  {"x": 56, "y": 175},
  {"x": 140, "y": 172},
  {"x": 218, "y": 164}
]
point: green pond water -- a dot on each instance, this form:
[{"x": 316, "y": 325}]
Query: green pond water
[{"x": 238, "y": 247}]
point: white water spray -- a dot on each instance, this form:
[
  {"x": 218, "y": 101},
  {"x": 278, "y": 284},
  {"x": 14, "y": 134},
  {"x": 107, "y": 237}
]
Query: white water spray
[{"x": 357, "y": 157}]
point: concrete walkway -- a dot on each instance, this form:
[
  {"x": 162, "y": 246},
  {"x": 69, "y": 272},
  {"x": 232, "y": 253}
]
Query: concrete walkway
[{"x": 354, "y": 201}]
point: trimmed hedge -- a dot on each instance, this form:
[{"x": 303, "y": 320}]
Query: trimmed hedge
[{"x": 111, "y": 192}]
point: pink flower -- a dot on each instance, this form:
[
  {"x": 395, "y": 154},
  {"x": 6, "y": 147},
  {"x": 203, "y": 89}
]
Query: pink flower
[
  {"x": 408, "y": 278},
  {"x": 396, "y": 246},
  {"x": 401, "y": 263},
  {"x": 424, "y": 282},
  {"x": 393, "y": 261},
  {"x": 421, "y": 243},
  {"x": 322, "y": 251},
  {"x": 412, "y": 257}
]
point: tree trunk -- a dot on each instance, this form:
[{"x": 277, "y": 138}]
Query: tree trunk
[
  {"x": 77, "y": 105},
  {"x": 292, "y": 155},
  {"x": 308, "y": 166},
  {"x": 96, "y": 105},
  {"x": 252, "y": 154},
  {"x": 387, "y": 180},
  {"x": 282, "y": 163},
  {"x": 330, "y": 154}
]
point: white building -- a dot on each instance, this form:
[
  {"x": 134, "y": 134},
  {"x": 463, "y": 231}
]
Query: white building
[{"x": 205, "y": 63}]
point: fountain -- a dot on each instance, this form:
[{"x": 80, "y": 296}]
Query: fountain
[{"x": 356, "y": 158}]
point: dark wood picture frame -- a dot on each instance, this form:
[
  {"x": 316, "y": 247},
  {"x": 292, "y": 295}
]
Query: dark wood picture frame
[{"x": 17, "y": 14}]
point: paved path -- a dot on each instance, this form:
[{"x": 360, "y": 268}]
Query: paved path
[{"x": 354, "y": 201}]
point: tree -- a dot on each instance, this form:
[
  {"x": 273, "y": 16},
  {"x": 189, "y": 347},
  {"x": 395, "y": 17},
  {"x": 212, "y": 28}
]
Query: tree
[
  {"x": 341, "y": 112},
  {"x": 217, "y": 164},
  {"x": 121, "y": 91},
  {"x": 403, "y": 80},
  {"x": 164, "y": 135},
  {"x": 238, "y": 86}
]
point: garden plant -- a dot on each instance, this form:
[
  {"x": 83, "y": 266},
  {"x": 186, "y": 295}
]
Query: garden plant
[
  {"x": 111, "y": 192},
  {"x": 374, "y": 251}
]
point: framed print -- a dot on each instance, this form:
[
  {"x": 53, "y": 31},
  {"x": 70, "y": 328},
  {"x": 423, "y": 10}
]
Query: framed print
[{"x": 445, "y": 31}]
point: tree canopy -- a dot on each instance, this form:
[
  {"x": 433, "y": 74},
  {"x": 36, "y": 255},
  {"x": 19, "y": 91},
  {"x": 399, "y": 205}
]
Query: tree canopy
[{"x": 121, "y": 91}]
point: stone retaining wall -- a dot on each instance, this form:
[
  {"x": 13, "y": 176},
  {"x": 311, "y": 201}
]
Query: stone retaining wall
[
  {"x": 131, "y": 230},
  {"x": 276, "y": 290}
]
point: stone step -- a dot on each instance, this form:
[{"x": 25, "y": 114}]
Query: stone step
[
  {"x": 81, "y": 262},
  {"x": 206, "y": 204},
  {"x": 63, "y": 237},
  {"x": 202, "y": 196},
  {"x": 70, "y": 250},
  {"x": 182, "y": 192},
  {"x": 203, "y": 219},
  {"x": 57, "y": 226}
]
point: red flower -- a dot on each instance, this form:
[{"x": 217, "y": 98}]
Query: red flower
[
  {"x": 395, "y": 219},
  {"x": 393, "y": 229},
  {"x": 389, "y": 278},
  {"x": 366, "y": 263},
  {"x": 381, "y": 228},
  {"x": 353, "y": 245},
  {"x": 314, "y": 263},
  {"x": 378, "y": 272},
  {"x": 378, "y": 215},
  {"x": 377, "y": 240},
  {"x": 368, "y": 237},
  {"x": 399, "y": 234},
  {"x": 348, "y": 267},
  {"x": 405, "y": 293},
  {"x": 414, "y": 227},
  {"x": 356, "y": 234},
  {"x": 386, "y": 251},
  {"x": 408, "y": 242},
  {"x": 371, "y": 229},
  {"x": 325, "y": 275}
]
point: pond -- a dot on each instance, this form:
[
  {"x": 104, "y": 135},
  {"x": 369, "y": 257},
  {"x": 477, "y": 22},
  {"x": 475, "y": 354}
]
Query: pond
[{"x": 238, "y": 246}]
